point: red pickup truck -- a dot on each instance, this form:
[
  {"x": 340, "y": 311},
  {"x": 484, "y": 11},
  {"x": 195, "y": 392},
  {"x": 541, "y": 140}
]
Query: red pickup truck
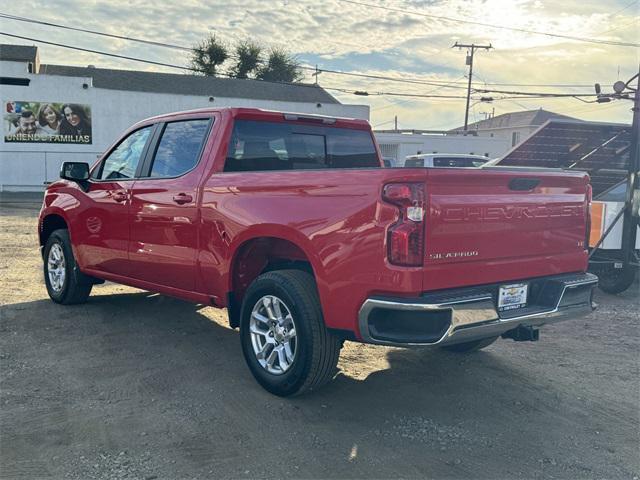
[{"x": 291, "y": 223}]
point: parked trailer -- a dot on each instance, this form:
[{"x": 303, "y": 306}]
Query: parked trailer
[
  {"x": 607, "y": 254},
  {"x": 608, "y": 153}
]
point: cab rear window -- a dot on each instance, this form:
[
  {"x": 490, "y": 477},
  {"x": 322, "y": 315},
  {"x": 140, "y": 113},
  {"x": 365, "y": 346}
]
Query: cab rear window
[{"x": 259, "y": 146}]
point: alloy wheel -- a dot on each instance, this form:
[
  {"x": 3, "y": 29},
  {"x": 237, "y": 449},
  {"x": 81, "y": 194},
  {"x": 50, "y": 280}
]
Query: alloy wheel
[
  {"x": 273, "y": 334},
  {"x": 56, "y": 267}
]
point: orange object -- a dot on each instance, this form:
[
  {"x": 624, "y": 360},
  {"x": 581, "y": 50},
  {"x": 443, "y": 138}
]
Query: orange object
[{"x": 597, "y": 221}]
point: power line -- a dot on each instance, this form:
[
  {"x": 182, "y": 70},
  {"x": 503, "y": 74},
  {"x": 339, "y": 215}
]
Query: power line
[
  {"x": 625, "y": 25},
  {"x": 391, "y": 94},
  {"x": 623, "y": 8},
  {"x": 94, "y": 32},
  {"x": 490, "y": 25},
  {"x": 383, "y": 123},
  {"x": 180, "y": 47},
  {"x": 98, "y": 52},
  {"x": 330, "y": 71},
  {"x": 392, "y": 79},
  {"x": 534, "y": 94},
  {"x": 142, "y": 60},
  {"x": 125, "y": 57},
  {"x": 417, "y": 81},
  {"x": 355, "y": 92},
  {"x": 403, "y": 102},
  {"x": 391, "y": 104}
]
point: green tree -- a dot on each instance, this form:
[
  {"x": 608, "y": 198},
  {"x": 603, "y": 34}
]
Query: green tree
[
  {"x": 280, "y": 66},
  {"x": 208, "y": 55},
  {"x": 247, "y": 59}
]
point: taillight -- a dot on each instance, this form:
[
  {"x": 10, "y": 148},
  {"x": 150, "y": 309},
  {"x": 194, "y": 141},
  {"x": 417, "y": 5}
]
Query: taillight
[
  {"x": 405, "y": 238},
  {"x": 587, "y": 233}
]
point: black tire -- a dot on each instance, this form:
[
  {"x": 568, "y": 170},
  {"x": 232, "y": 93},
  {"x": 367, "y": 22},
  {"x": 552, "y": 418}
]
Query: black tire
[
  {"x": 316, "y": 351},
  {"x": 468, "y": 347},
  {"x": 616, "y": 280},
  {"x": 76, "y": 286}
]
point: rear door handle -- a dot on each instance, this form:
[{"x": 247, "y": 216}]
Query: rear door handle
[
  {"x": 182, "y": 198},
  {"x": 120, "y": 195}
]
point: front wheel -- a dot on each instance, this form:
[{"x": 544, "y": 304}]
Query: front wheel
[
  {"x": 66, "y": 284},
  {"x": 284, "y": 340}
]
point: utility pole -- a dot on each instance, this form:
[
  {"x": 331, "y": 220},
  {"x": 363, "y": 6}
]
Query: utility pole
[
  {"x": 631, "y": 218},
  {"x": 316, "y": 74},
  {"x": 629, "y": 214},
  {"x": 471, "y": 50},
  {"x": 395, "y": 122}
]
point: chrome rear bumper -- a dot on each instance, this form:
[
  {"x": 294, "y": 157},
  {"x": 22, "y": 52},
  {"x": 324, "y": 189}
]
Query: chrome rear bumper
[{"x": 462, "y": 315}]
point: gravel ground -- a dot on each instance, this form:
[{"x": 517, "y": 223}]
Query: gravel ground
[{"x": 141, "y": 386}]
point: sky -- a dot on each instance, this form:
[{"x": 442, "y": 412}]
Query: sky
[{"x": 407, "y": 40}]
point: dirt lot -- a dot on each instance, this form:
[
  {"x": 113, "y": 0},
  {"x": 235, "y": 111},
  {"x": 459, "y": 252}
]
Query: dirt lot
[{"x": 136, "y": 385}]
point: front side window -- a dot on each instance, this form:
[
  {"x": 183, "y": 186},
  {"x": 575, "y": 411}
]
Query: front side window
[
  {"x": 123, "y": 161},
  {"x": 259, "y": 146},
  {"x": 179, "y": 147}
]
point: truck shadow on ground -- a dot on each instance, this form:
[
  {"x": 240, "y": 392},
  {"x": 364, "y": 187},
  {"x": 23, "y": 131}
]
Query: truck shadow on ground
[
  {"x": 153, "y": 364},
  {"x": 173, "y": 338}
]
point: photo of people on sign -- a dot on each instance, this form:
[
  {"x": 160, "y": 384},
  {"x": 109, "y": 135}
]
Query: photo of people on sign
[{"x": 44, "y": 122}]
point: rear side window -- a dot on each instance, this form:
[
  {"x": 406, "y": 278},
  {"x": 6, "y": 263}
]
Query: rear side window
[
  {"x": 179, "y": 148},
  {"x": 258, "y": 146},
  {"x": 123, "y": 161}
]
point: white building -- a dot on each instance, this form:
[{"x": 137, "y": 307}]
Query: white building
[
  {"x": 513, "y": 127},
  {"x": 398, "y": 144},
  {"x": 114, "y": 100}
]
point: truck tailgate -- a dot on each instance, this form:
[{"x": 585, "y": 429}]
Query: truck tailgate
[{"x": 494, "y": 225}]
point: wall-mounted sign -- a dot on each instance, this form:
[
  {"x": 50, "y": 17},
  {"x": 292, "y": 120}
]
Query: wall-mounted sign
[{"x": 43, "y": 122}]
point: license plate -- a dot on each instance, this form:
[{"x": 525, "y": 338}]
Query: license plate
[{"x": 511, "y": 297}]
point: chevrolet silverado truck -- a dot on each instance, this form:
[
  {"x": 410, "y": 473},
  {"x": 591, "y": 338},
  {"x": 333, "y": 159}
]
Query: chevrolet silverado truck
[{"x": 291, "y": 223}]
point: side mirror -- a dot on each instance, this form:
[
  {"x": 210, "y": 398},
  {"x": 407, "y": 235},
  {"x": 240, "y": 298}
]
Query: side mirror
[{"x": 75, "y": 171}]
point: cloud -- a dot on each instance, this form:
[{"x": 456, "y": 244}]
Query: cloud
[{"x": 338, "y": 35}]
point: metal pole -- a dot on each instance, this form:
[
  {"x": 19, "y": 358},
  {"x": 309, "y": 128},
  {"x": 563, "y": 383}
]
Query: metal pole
[
  {"x": 466, "y": 110},
  {"x": 630, "y": 225},
  {"x": 472, "y": 50}
]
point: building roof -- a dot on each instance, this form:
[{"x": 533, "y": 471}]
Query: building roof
[
  {"x": 600, "y": 149},
  {"x": 525, "y": 118},
  {"x": 18, "y": 53},
  {"x": 181, "y": 84}
]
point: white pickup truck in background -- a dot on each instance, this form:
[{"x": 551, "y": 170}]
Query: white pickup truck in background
[{"x": 445, "y": 160}]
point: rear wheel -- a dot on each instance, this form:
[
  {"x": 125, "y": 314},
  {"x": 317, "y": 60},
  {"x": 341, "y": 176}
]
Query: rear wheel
[
  {"x": 66, "y": 284},
  {"x": 468, "y": 347},
  {"x": 616, "y": 280},
  {"x": 284, "y": 340}
]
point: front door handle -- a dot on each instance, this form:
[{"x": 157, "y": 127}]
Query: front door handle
[
  {"x": 120, "y": 195},
  {"x": 182, "y": 198}
]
